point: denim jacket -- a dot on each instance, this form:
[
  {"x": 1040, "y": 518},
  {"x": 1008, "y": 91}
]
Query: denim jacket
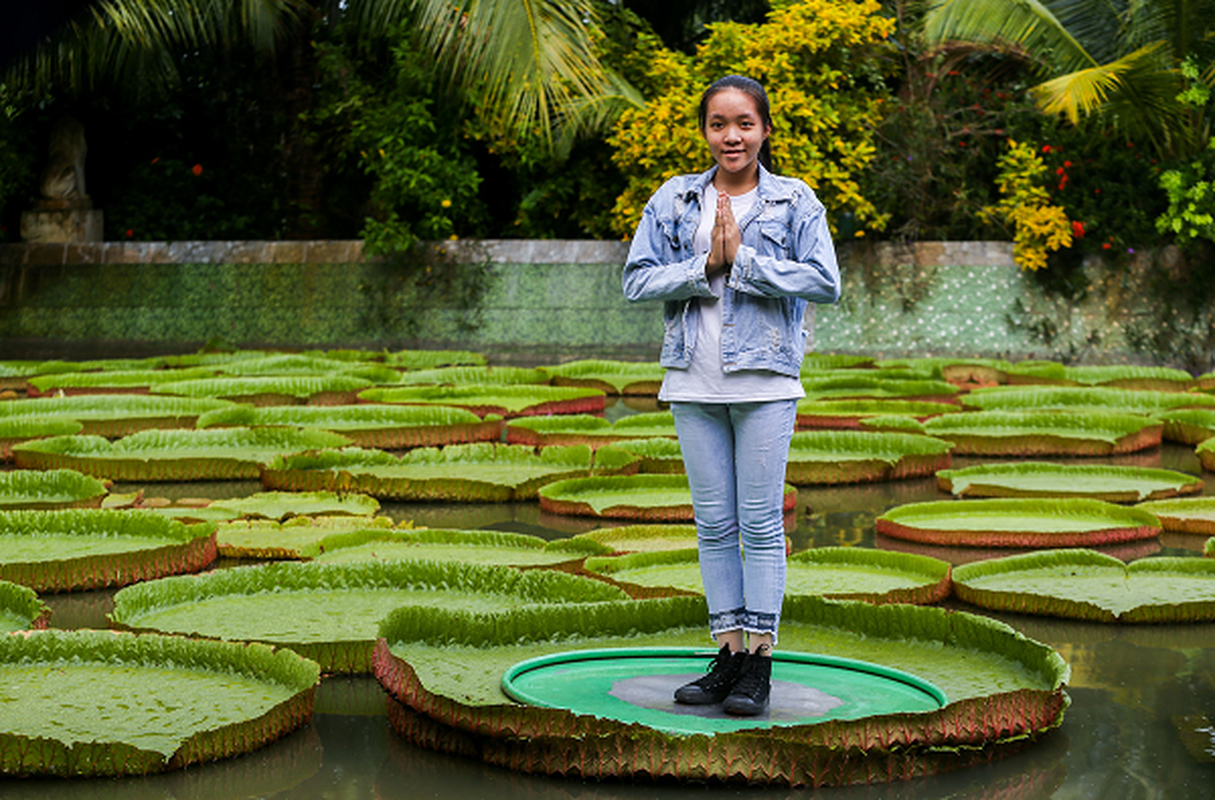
[{"x": 785, "y": 259}]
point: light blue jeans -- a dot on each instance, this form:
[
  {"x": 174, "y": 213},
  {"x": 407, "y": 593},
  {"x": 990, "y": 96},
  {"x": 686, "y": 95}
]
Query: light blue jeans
[{"x": 735, "y": 456}]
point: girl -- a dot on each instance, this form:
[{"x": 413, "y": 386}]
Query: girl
[{"x": 735, "y": 253}]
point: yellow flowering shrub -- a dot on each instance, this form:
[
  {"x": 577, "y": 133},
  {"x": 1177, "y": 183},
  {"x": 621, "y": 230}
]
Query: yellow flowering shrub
[
  {"x": 1038, "y": 226},
  {"x": 814, "y": 59}
]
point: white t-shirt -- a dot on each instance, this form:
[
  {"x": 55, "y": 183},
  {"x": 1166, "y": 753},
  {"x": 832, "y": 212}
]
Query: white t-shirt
[{"x": 705, "y": 380}]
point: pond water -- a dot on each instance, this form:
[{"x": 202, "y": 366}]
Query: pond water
[{"x": 1141, "y": 723}]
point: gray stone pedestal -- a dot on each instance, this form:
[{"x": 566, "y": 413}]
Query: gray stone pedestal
[{"x": 62, "y": 221}]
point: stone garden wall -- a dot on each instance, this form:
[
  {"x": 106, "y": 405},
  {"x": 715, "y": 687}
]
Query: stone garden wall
[{"x": 546, "y": 299}]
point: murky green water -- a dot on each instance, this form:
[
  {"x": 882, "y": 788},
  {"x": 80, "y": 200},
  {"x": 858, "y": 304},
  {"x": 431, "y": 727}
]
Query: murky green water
[{"x": 1141, "y": 724}]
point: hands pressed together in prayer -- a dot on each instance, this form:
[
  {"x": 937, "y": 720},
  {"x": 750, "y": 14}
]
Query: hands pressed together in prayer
[{"x": 725, "y": 238}]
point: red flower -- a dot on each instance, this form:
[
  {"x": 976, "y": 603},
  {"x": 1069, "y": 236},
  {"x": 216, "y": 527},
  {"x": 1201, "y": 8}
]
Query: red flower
[
  {"x": 130, "y": 232},
  {"x": 196, "y": 169},
  {"x": 1105, "y": 246},
  {"x": 1077, "y": 229},
  {"x": 1046, "y": 148},
  {"x": 1067, "y": 164},
  {"x": 1059, "y": 171}
]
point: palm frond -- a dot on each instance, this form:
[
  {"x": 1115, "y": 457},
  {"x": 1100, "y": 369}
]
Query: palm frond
[{"x": 1030, "y": 26}]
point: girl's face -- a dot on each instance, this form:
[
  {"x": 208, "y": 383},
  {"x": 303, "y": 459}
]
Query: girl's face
[{"x": 734, "y": 132}]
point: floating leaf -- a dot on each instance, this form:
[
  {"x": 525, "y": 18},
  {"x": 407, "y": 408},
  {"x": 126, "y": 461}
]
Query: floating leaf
[
  {"x": 326, "y": 390},
  {"x": 20, "y": 608},
  {"x": 1071, "y": 522},
  {"x": 1046, "y": 433},
  {"x": 478, "y": 376},
  {"x": 630, "y": 539},
  {"x": 652, "y": 498},
  {"x": 819, "y": 361},
  {"x": 431, "y": 359},
  {"x": 568, "y": 429},
  {"x": 1082, "y": 584},
  {"x": 1080, "y": 398},
  {"x": 1189, "y": 425},
  {"x": 659, "y": 456},
  {"x": 80, "y": 549},
  {"x": 282, "y": 505},
  {"x": 366, "y": 425},
  {"x": 505, "y": 400},
  {"x": 111, "y": 381},
  {"x": 611, "y": 377},
  {"x": 1127, "y": 376},
  {"x": 29, "y": 429},
  {"x": 445, "y": 669},
  {"x": 841, "y": 388},
  {"x": 112, "y": 415},
  {"x": 472, "y": 547},
  {"x": 492, "y": 473},
  {"x": 93, "y": 703},
  {"x": 297, "y": 538},
  {"x": 57, "y": 488},
  {"x": 330, "y": 612},
  {"x": 828, "y": 457},
  {"x": 848, "y": 414},
  {"x": 892, "y": 424},
  {"x": 1115, "y": 484},
  {"x": 1206, "y": 454},
  {"x": 173, "y": 455},
  {"x": 1184, "y": 515}
]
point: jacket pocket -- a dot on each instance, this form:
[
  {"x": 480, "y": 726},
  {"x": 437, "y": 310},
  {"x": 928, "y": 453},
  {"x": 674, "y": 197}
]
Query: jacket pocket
[{"x": 775, "y": 239}]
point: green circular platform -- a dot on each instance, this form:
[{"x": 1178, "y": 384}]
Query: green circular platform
[{"x": 636, "y": 685}]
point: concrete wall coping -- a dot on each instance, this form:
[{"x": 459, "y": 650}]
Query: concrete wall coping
[{"x": 502, "y": 251}]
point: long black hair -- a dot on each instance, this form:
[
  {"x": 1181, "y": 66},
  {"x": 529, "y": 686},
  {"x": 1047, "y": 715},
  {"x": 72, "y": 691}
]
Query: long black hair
[{"x": 753, "y": 89}]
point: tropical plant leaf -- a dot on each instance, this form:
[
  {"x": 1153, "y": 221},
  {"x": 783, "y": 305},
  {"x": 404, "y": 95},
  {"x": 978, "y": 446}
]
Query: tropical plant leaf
[
  {"x": 630, "y": 539},
  {"x": 1206, "y": 454},
  {"x": 433, "y": 359},
  {"x": 1043, "y": 433},
  {"x": 473, "y": 547},
  {"x": 1019, "y": 522},
  {"x": 283, "y": 505},
  {"x": 332, "y": 390},
  {"x": 57, "y": 488},
  {"x": 27, "y": 429},
  {"x": 475, "y": 376},
  {"x": 659, "y": 455},
  {"x": 482, "y": 472},
  {"x": 330, "y": 612},
  {"x": 826, "y": 457},
  {"x": 820, "y": 361},
  {"x": 860, "y": 387},
  {"x": 71, "y": 383},
  {"x": 297, "y": 538},
  {"x": 1184, "y": 515},
  {"x": 1083, "y": 584},
  {"x": 173, "y": 455},
  {"x": 1083, "y": 398},
  {"x": 630, "y": 378},
  {"x": 892, "y": 424},
  {"x": 505, "y": 400},
  {"x": 445, "y": 670},
  {"x": 366, "y": 425},
  {"x": 1189, "y": 425},
  {"x": 1115, "y": 484},
  {"x": 848, "y": 414},
  {"x": 112, "y": 415},
  {"x": 93, "y": 703},
  {"x": 649, "y": 498},
  {"x": 20, "y": 608},
  {"x": 81, "y": 549}
]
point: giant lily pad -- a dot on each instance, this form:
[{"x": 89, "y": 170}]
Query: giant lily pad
[
  {"x": 1081, "y": 398},
  {"x": 567, "y": 429},
  {"x": 473, "y": 473},
  {"x": 56, "y": 488},
  {"x": 20, "y": 608},
  {"x": 1189, "y": 425},
  {"x": 432, "y": 359},
  {"x": 113, "y": 415},
  {"x": 815, "y": 362},
  {"x": 630, "y": 539},
  {"x": 1119, "y": 376},
  {"x": 1046, "y": 433},
  {"x": 92, "y": 703},
  {"x": 1115, "y": 484},
  {"x": 174, "y": 455},
  {"x": 658, "y": 455},
  {"x": 284, "y": 505},
  {"x": 20, "y": 430},
  {"x": 844, "y": 573},
  {"x": 1019, "y": 522},
  {"x": 611, "y": 377},
  {"x": 329, "y": 612},
  {"x": 79, "y": 549},
  {"x": 297, "y": 538},
  {"x": 124, "y": 381},
  {"x": 378, "y": 426},
  {"x": 1001, "y": 689},
  {"x": 861, "y": 387},
  {"x": 504, "y": 400},
  {"x": 324, "y": 390},
  {"x": 847, "y": 414},
  {"x": 1206, "y": 454},
  {"x": 817, "y": 457},
  {"x": 652, "y": 498},
  {"x": 476, "y": 375},
  {"x": 1082, "y": 584},
  {"x": 436, "y": 544},
  {"x": 1194, "y": 515},
  {"x": 284, "y": 364}
]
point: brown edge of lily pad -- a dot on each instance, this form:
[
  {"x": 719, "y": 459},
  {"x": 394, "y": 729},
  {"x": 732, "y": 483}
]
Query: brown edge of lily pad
[
  {"x": 1036, "y": 444},
  {"x": 113, "y": 570},
  {"x": 989, "y": 538}
]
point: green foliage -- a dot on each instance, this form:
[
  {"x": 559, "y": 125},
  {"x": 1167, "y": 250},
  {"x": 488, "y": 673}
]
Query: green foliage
[
  {"x": 16, "y": 159},
  {"x": 1191, "y": 191},
  {"x": 1038, "y": 226},
  {"x": 814, "y": 60}
]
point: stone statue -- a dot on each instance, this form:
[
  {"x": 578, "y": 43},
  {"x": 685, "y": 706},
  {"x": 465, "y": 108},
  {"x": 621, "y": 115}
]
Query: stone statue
[{"x": 64, "y": 176}]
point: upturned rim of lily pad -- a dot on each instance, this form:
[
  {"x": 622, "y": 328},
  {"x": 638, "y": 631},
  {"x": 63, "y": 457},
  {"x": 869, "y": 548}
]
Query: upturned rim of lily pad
[{"x": 1109, "y": 482}]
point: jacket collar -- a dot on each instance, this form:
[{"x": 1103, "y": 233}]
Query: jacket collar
[{"x": 770, "y": 187}]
